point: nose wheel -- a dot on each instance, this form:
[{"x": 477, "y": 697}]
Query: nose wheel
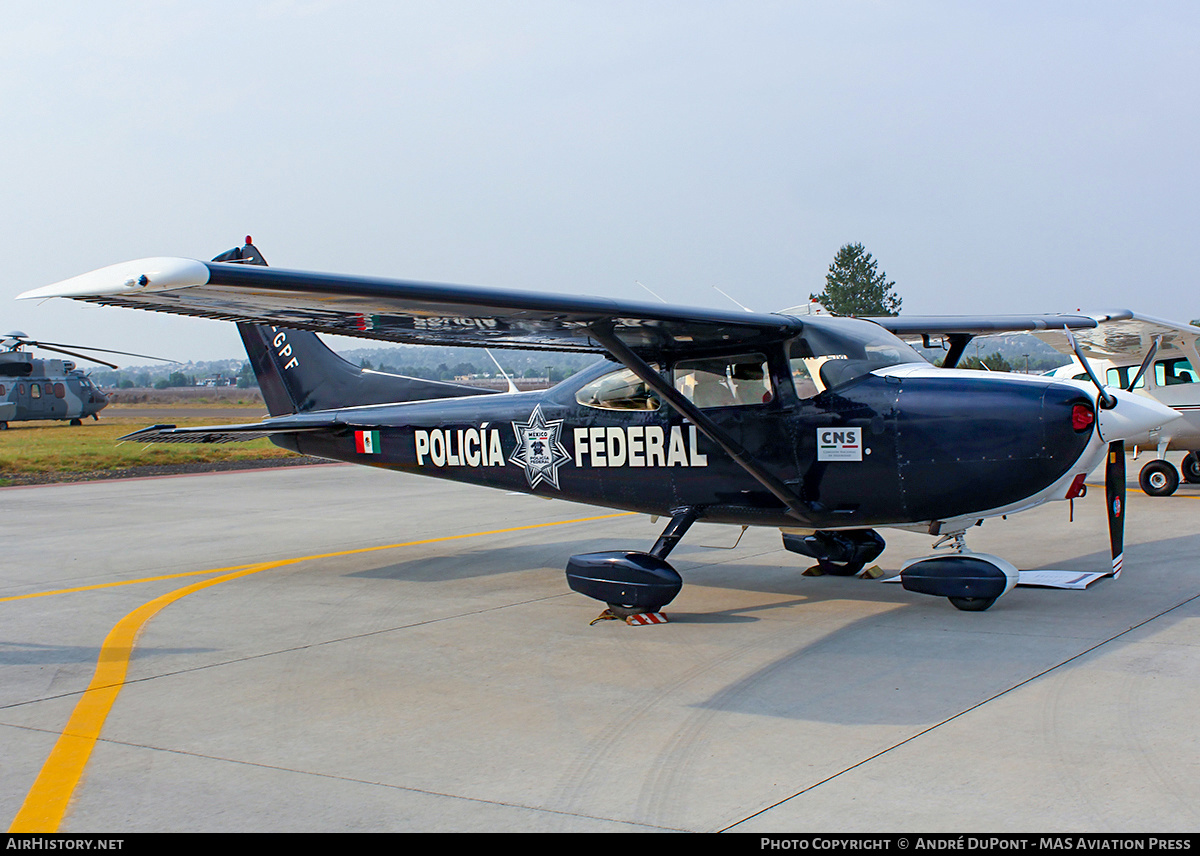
[
  {"x": 1159, "y": 478},
  {"x": 972, "y": 604}
]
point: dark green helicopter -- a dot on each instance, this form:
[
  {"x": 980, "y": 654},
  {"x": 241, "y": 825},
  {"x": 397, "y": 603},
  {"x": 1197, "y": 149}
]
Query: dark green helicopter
[{"x": 33, "y": 389}]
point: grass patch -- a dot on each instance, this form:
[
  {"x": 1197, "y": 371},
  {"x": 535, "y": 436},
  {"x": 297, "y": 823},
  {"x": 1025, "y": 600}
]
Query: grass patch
[{"x": 57, "y": 447}]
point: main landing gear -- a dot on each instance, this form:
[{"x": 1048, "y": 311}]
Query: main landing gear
[
  {"x": 629, "y": 582},
  {"x": 633, "y": 584},
  {"x": 1160, "y": 478},
  {"x": 1191, "y": 468},
  {"x": 838, "y": 553}
]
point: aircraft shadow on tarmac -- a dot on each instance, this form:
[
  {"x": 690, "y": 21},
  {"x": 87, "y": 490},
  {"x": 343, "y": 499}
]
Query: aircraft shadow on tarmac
[
  {"x": 487, "y": 561},
  {"x": 866, "y": 672},
  {"x": 37, "y": 654}
]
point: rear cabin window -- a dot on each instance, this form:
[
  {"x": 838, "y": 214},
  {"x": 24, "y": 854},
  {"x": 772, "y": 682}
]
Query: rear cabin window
[
  {"x": 35, "y": 390},
  {"x": 735, "y": 381},
  {"x": 59, "y": 392}
]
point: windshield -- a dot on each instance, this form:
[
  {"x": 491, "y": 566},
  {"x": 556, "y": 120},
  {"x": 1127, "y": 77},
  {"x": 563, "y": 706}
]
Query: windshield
[{"x": 832, "y": 352}]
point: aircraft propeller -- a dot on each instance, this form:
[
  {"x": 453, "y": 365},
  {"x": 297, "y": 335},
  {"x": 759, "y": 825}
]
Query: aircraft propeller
[
  {"x": 1146, "y": 362},
  {"x": 1114, "y": 497},
  {"x": 1114, "y": 467},
  {"x": 1107, "y": 400}
]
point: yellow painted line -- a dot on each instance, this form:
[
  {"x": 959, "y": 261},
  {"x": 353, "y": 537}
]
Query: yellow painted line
[
  {"x": 47, "y": 801},
  {"x": 307, "y": 558},
  {"x": 123, "y": 583}
]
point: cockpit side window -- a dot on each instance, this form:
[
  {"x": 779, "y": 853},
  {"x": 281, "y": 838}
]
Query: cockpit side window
[
  {"x": 739, "y": 380},
  {"x": 1173, "y": 372},
  {"x": 1119, "y": 377},
  {"x": 618, "y": 390}
]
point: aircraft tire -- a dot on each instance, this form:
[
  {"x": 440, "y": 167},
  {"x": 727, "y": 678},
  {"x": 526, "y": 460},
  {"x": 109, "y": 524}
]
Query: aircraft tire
[
  {"x": 1159, "y": 478},
  {"x": 839, "y": 569},
  {"x": 623, "y": 611},
  {"x": 76, "y": 421},
  {"x": 1191, "y": 468},
  {"x": 3, "y": 426},
  {"x": 972, "y": 604}
]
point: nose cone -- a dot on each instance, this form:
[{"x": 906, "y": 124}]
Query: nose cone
[
  {"x": 96, "y": 401},
  {"x": 1134, "y": 415}
]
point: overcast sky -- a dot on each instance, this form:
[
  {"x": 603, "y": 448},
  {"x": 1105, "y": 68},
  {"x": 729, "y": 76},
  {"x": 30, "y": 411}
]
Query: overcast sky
[{"x": 994, "y": 158}]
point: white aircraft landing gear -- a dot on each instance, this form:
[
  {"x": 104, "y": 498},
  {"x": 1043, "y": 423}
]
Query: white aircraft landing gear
[
  {"x": 1191, "y": 468},
  {"x": 970, "y": 581},
  {"x": 1159, "y": 478}
]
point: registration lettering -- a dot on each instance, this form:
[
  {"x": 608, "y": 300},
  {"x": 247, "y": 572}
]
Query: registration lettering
[{"x": 282, "y": 348}]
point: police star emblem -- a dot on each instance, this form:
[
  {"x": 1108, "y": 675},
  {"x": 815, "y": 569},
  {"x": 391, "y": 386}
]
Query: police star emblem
[{"x": 538, "y": 449}]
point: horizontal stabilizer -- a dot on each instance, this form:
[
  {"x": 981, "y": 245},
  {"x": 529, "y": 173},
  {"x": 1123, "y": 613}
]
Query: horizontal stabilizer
[{"x": 230, "y": 433}]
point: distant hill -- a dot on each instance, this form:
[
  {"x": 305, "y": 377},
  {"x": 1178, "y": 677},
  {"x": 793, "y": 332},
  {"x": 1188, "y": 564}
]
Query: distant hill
[
  {"x": 426, "y": 361},
  {"x": 1018, "y": 349}
]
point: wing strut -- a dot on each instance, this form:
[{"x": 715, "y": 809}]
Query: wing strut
[
  {"x": 623, "y": 354},
  {"x": 958, "y": 344}
]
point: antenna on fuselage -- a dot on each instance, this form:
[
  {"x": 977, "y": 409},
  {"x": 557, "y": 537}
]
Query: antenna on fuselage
[
  {"x": 512, "y": 387},
  {"x": 652, "y": 294},
  {"x": 735, "y": 302}
]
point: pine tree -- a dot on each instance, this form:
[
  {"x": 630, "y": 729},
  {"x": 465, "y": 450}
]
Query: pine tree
[{"x": 854, "y": 286}]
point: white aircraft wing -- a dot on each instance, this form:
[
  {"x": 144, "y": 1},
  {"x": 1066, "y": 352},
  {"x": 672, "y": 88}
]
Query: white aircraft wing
[{"x": 1126, "y": 337}]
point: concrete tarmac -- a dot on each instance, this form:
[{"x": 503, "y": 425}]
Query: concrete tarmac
[{"x": 456, "y": 685}]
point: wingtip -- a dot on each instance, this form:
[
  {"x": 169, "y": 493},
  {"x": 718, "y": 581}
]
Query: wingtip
[{"x": 154, "y": 274}]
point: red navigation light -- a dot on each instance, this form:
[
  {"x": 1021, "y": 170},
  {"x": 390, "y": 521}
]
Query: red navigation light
[{"x": 1082, "y": 417}]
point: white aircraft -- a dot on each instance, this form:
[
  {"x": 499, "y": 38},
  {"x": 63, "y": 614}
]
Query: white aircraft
[{"x": 1155, "y": 358}]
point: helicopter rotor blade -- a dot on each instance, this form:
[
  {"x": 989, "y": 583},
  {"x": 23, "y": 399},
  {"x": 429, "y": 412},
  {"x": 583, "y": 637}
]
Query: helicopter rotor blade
[
  {"x": 80, "y": 356},
  {"x": 52, "y": 345}
]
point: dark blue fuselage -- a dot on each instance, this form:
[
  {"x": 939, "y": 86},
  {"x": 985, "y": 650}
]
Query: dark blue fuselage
[{"x": 883, "y": 449}]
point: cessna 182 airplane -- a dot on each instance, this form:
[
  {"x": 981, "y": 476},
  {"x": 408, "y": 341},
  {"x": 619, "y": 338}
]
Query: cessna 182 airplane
[
  {"x": 1156, "y": 358},
  {"x": 827, "y": 428}
]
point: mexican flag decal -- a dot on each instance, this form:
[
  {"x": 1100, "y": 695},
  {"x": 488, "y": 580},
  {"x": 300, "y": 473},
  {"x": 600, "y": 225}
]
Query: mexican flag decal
[{"x": 367, "y": 442}]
